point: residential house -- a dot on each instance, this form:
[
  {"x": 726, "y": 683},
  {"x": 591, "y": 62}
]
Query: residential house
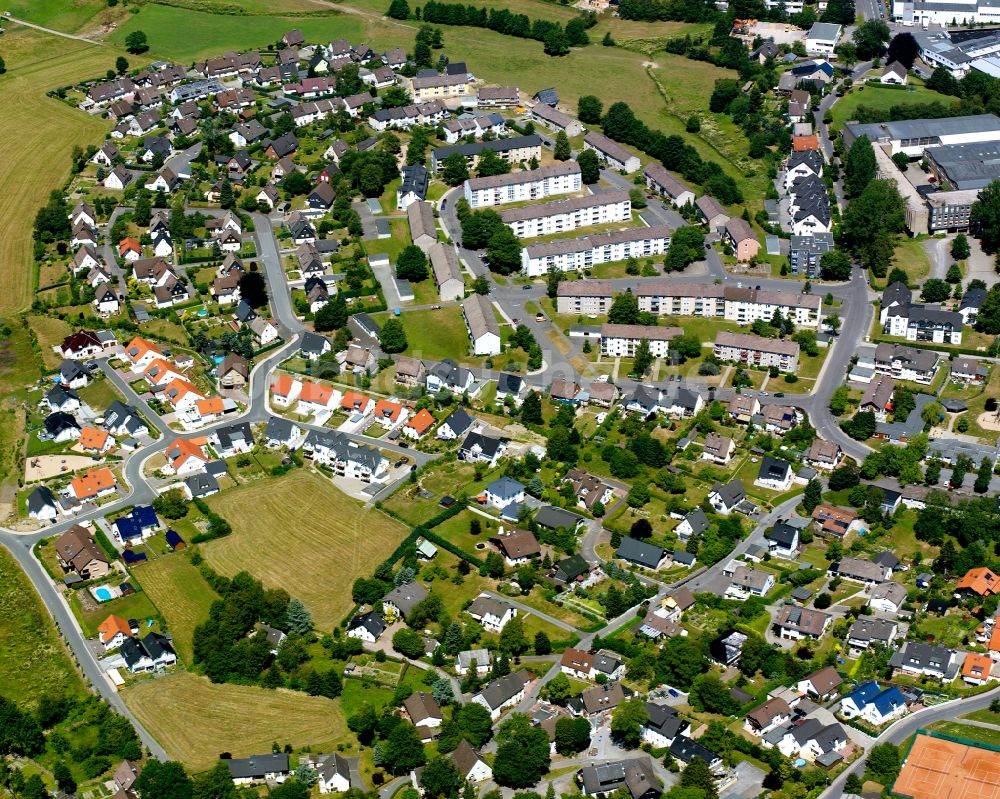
[
  {"x": 980, "y": 581},
  {"x": 636, "y": 777},
  {"x": 470, "y": 764},
  {"x": 770, "y": 715},
  {"x": 503, "y": 692},
  {"x": 868, "y": 630},
  {"x": 258, "y": 769},
  {"x": 503, "y": 492},
  {"x": 517, "y": 546},
  {"x": 718, "y": 449},
  {"x": 641, "y": 553},
  {"x": 821, "y": 685},
  {"x": 93, "y": 484},
  {"x": 152, "y": 653},
  {"x": 727, "y": 498},
  {"x": 492, "y": 613},
  {"x": 366, "y": 627},
  {"x": 774, "y": 474},
  {"x": 399, "y": 602},
  {"x": 923, "y": 660},
  {"x": 663, "y": 725},
  {"x": 824, "y": 455},
  {"x": 738, "y": 234},
  {"x": 797, "y": 623},
  {"x": 77, "y": 552},
  {"x": 482, "y": 326},
  {"x": 887, "y": 597},
  {"x": 423, "y": 710},
  {"x": 860, "y": 571},
  {"x": 783, "y": 540},
  {"x": 873, "y": 704}
]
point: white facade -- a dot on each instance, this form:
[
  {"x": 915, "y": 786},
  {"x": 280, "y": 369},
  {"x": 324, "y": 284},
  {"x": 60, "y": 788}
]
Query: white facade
[
  {"x": 622, "y": 341},
  {"x": 571, "y": 255},
  {"x": 561, "y": 216},
  {"x": 536, "y": 184}
]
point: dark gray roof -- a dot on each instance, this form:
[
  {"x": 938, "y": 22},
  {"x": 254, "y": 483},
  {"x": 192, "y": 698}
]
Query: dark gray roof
[
  {"x": 639, "y": 552},
  {"x": 201, "y": 485},
  {"x": 256, "y": 766},
  {"x": 773, "y": 468},
  {"x": 371, "y": 621},
  {"x": 40, "y": 498},
  {"x": 782, "y": 533},
  {"x": 279, "y": 429},
  {"x": 697, "y": 520},
  {"x": 732, "y": 493},
  {"x": 406, "y": 597},
  {"x": 664, "y": 720},
  {"x": 497, "y": 145},
  {"x": 554, "y": 518},
  {"x": 503, "y": 689}
]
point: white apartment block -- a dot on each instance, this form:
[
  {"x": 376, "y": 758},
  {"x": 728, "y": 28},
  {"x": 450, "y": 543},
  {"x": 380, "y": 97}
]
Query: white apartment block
[
  {"x": 742, "y": 305},
  {"x": 622, "y": 341},
  {"x": 588, "y": 297},
  {"x": 757, "y": 351},
  {"x": 561, "y": 216},
  {"x": 562, "y": 177},
  {"x": 570, "y": 255}
]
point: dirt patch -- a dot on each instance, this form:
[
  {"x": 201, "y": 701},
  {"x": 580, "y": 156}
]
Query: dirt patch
[
  {"x": 46, "y": 466},
  {"x": 988, "y": 421}
]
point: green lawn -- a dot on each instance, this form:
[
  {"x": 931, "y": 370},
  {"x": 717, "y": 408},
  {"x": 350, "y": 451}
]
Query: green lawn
[
  {"x": 99, "y": 394},
  {"x": 881, "y": 98},
  {"x": 912, "y": 258},
  {"x": 184, "y": 34},
  {"x": 33, "y": 659},
  {"x": 135, "y": 606},
  {"x": 968, "y": 731},
  {"x": 394, "y": 245},
  {"x": 437, "y": 334}
]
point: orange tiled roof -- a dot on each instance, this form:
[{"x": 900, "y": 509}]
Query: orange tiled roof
[
  {"x": 128, "y": 243},
  {"x": 178, "y": 388},
  {"x": 803, "y": 143},
  {"x": 386, "y": 409},
  {"x": 138, "y": 347},
  {"x": 977, "y": 666},
  {"x": 182, "y": 449},
  {"x": 421, "y": 422},
  {"x": 283, "y": 385},
  {"x": 209, "y": 406},
  {"x": 353, "y": 401},
  {"x": 158, "y": 370},
  {"x": 113, "y": 625},
  {"x": 981, "y": 581},
  {"x": 315, "y": 392},
  {"x": 93, "y": 482},
  {"x": 994, "y": 645},
  {"x": 93, "y": 438}
]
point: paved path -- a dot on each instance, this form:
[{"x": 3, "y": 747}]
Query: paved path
[
  {"x": 908, "y": 725},
  {"x": 51, "y": 30}
]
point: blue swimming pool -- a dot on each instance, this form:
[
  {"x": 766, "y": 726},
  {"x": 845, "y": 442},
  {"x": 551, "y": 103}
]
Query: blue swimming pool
[
  {"x": 102, "y": 594},
  {"x": 203, "y": 312},
  {"x": 218, "y": 359}
]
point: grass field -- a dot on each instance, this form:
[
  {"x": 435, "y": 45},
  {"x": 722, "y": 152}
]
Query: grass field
[
  {"x": 37, "y": 63},
  {"x": 911, "y": 256},
  {"x": 33, "y": 660},
  {"x": 195, "y": 720},
  {"x": 64, "y": 15},
  {"x": 435, "y": 335},
  {"x": 49, "y": 331},
  {"x": 880, "y": 98},
  {"x": 181, "y": 595},
  {"x": 299, "y": 533},
  {"x": 185, "y": 34}
]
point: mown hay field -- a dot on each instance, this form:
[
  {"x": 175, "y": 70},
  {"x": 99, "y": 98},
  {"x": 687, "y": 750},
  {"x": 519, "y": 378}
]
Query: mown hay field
[
  {"x": 180, "y": 594},
  {"x": 196, "y": 720},
  {"x": 300, "y": 533}
]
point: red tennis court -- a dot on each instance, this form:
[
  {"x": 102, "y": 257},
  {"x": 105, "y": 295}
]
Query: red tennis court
[{"x": 939, "y": 769}]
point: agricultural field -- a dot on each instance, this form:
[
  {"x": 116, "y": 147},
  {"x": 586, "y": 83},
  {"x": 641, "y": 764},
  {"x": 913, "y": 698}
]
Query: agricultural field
[
  {"x": 186, "y": 34},
  {"x": 299, "y": 533},
  {"x": 181, "y": 595},
  {"x": 36, "y": 64},
  {"x": 62, "y": 15},
  {"x": 33, "y": 660},
  {"x": 195, "y": 720}
]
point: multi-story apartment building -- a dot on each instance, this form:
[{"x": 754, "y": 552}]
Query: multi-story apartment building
[
  {"x": 622, "y": 341},
  {"x": 568, "y": 255},
  {"x": 757, "y": 351},
  {"x": 588, "y": 297},
  {"x": 743, "y": 305},
  {"x": 561, "y": 177},
  {"x": 560, "y": 216}
]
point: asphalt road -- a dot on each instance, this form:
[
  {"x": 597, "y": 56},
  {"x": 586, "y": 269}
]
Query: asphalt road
[{"x": 908, "y": 725}]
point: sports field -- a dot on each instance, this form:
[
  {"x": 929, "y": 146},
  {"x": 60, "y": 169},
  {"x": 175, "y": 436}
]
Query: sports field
[
  {"x": 195, "y": 720},
  {"x": 181, "y": 595},
  {"x": 33, "y": 660},
  {"x": 36, "y": 140},
  {"x": 298, "y": 532},
  {"x": 940, "y": 769}
]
